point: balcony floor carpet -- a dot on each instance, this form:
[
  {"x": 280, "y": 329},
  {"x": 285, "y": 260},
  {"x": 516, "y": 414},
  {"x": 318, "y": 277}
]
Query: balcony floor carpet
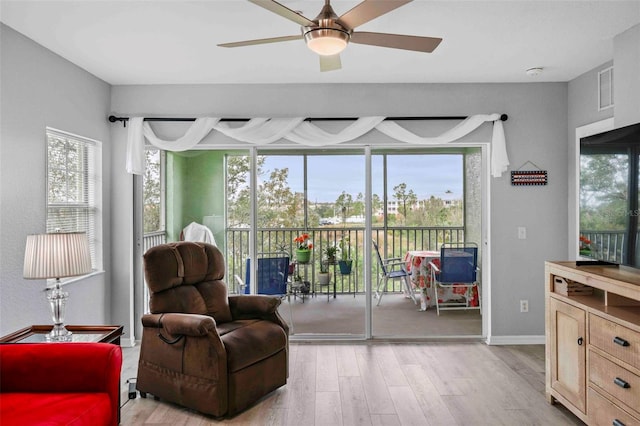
[{"x": 396, "y": 317}]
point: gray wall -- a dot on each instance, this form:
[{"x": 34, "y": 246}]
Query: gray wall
[
  {"x": 536, "y": 131},
  {"x": 583, "y": 108},
  {"x": 42, "y": 89},
  {"x": 626, "y": 57}
]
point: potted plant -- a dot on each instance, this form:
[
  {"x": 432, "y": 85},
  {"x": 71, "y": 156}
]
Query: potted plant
[
  {"x": 328, "y": 258},
  {"x": 330, "y": 253},
  {"x": 585, "y": 246},
  {"x": 323, "y": 276},
  {"x": 300, "y": 285},
  {"x": 303, "y": 249},
  {"x": 345, "y": 261}
]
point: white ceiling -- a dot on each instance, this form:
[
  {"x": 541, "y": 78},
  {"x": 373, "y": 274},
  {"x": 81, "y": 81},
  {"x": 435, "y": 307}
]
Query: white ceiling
[{"x": 174, "y": 42}]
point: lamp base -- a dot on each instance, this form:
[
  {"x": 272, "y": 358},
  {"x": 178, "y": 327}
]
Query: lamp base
[
  {"x": 59, "y": 334},
  {"x": 57, "y": 300}
]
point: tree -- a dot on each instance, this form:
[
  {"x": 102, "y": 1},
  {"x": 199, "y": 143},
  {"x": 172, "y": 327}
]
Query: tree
[
  {"x": 343, "y": 205},
  {"x": 358, "y": 205},
  {"x": 376, "y": 203},
  {"x": 603, "y": 191},
  {"x": 239, "y": 200},
  {"x": 278, "y": 206},
  {"x": 405, "y": 198},
  {"x": 151, "y": 191}
]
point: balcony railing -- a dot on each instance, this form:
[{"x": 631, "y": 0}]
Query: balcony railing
[
  {"x": 152, "y": 239},
  {"x": 606, "y": 245},
  {"x": 393, "y": 242}
]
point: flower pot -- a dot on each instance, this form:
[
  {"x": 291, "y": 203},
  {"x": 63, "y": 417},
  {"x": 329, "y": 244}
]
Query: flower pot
[
  {"x": 324, "y": 278},
  {"x": 345, "y": 266},
  {"x": 303, "y": 256}
]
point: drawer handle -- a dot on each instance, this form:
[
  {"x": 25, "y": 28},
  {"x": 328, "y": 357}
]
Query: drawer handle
[
  {"x": 617, "y": 422},
  {"x": 623, "y": 384},
  {"x": 620, "y": 341}
]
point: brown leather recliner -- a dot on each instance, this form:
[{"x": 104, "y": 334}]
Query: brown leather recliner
[{"x": 201, "y": 348}]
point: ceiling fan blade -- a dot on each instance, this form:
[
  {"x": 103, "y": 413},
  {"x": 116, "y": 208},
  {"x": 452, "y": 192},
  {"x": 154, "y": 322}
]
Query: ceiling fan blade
[
  {"x": 368, "y": 10},
  {"x": 397, "y": 41},
  {"x": 284, "y": 11},
  {"x": 261, "y": 41},
  {"x": 330, "y": 63}
]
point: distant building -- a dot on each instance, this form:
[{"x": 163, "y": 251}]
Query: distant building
[{"x": 393, "y": 205}]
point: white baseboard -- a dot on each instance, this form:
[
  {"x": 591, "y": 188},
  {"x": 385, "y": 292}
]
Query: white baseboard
[
  {"x": 516, "y": 340},
  {"x": 127, "y": 342}
]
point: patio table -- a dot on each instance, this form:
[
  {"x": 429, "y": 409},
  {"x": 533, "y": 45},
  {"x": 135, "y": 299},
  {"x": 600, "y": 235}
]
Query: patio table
[{"x": 417, "y": 263}]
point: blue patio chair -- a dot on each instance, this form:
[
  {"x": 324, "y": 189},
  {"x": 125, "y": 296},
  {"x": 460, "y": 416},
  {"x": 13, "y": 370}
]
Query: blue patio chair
[
  {"x": 272, "y": 272},
  {"x": 392, "y": 268},
  {"x": 273, "y": 278},
  {"x": 456, "y": 272}
]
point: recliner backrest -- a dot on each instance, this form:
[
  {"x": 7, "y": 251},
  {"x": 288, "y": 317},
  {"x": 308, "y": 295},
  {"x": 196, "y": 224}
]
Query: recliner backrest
[{"x": 186, "y": 277}]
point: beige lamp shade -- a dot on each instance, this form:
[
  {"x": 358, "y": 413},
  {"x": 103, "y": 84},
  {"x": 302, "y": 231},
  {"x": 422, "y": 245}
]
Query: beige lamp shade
[{"x": 57, "y": 255}]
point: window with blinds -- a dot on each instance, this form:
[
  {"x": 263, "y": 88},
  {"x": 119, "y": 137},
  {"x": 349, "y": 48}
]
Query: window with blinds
[{"x": 73, "y": 176}]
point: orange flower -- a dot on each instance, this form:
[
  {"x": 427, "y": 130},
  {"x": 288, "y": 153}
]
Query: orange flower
[
  {"x": 584, "y": 239},
  {"x": 303, "y": 242}
]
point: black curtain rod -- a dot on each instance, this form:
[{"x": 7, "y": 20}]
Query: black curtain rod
[{"x": 113, "y": 118}]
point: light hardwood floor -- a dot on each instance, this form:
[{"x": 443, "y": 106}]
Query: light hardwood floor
[{"x": 386, "y": 384}]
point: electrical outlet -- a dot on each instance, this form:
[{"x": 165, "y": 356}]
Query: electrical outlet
[
  {"x": 524, "y": 306},
  {"x": 522, "y": 233}
]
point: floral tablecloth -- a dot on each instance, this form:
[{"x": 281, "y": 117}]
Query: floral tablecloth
[{"x": 417, "y": 263}]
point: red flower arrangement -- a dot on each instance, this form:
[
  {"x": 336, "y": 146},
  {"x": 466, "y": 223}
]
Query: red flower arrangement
[
  {"x": 303, "y": 241},
  {"x": 584, "y": 245}
]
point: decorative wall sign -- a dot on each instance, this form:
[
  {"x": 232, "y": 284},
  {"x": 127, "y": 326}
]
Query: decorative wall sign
[{"x": 528, "y": 177}]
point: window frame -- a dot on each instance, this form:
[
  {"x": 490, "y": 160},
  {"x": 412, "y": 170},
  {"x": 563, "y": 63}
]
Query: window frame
[{"x": 91, "y": 192}]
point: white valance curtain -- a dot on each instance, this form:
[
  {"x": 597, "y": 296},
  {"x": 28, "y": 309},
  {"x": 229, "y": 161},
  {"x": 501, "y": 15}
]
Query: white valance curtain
[{"x": 263, "y": 131}]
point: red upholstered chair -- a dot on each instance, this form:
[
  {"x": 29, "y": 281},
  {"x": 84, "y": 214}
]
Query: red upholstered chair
[
  {"x": 60, "y": 384},
  {"x": 201, "y": 348}
]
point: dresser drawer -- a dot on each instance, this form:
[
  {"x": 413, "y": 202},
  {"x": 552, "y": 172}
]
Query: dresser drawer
[
  {"x": 622, "y": 384},
  {"x": 615, "y": 339},
  {"x": 602, "y": 412}
]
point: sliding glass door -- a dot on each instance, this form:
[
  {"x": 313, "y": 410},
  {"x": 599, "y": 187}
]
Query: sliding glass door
[{"x": 257, "y": 202}]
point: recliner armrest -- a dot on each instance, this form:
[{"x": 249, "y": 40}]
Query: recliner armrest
[
  {"x": 252, "y": 306},
  {"x": 257, "y": 306},
  {"x": 181, "y": 324}
]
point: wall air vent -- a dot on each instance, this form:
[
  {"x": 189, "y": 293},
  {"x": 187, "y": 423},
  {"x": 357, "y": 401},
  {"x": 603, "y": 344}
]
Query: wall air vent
[{"x": 605, "y": 89}]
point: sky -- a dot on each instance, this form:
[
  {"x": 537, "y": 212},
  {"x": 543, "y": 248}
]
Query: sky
[{"x": 329, "y": 175}]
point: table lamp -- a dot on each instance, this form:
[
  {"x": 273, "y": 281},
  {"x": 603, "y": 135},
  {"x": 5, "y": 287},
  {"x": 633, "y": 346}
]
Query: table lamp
[{"x": 57, "y": 255}]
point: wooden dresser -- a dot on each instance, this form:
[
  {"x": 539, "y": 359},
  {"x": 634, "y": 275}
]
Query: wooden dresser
[{"x": 593, "y": 341}]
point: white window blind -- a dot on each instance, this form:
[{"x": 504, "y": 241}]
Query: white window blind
[{"x": 73, "y": 176}]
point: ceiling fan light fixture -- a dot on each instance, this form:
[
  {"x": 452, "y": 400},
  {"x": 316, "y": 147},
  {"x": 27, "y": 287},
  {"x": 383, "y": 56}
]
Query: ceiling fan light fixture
[
  {"x": 534, "y": 72},
  {"x": 326, "y": 41}
]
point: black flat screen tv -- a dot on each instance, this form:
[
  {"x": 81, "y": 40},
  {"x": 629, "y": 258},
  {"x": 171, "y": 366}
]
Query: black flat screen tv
[{"x": 609, "y": 196}]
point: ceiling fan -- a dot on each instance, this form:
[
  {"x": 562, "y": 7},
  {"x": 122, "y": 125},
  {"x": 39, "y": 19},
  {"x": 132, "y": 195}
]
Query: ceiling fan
[{"x": 328, "y": 34}]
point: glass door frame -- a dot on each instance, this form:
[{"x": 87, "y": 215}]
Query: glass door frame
[
  {"x": 368, "y": 253},
  {"x": 252, "y": 151}
]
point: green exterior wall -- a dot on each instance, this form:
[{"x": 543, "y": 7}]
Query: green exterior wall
[{"x": 196, "y": 192}]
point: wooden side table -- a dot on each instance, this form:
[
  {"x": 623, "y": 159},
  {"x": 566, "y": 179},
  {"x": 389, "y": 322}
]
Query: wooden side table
[{"x": 80, "y": 333}]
